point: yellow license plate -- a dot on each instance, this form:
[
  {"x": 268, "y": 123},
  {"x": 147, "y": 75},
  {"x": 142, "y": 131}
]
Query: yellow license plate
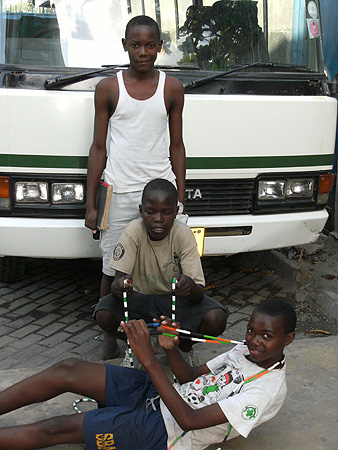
[{"x": 199, "y": 236}]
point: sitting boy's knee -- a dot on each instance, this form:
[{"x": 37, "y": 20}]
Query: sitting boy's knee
[
  {"x": 216, "y": 320},
  {"x": 103, "y": 318}
]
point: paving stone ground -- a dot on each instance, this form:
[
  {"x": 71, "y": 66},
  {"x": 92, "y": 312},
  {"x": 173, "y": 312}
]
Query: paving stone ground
[{"x": 46, "y": 317}]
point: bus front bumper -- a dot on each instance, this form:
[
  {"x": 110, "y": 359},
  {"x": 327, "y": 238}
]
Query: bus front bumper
[{"x": 224, "y": 235}]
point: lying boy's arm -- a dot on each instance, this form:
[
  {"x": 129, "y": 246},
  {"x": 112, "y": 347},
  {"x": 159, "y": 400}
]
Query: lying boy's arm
[
  {"x": 181, "y": 369},
  {"x": 187, "y": 288},
  {"x": 186, "y": 417}
]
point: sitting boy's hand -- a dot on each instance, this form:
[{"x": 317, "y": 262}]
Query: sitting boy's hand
[
  {"x": 120, "y": 284},
  {"x": 183, "y": 285}
]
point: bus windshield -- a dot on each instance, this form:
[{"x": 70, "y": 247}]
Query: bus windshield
[{"x": 205, "y": 34}]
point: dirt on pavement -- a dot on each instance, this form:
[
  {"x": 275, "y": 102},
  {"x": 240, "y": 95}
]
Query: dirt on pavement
[{"x": 316, "y": 285}]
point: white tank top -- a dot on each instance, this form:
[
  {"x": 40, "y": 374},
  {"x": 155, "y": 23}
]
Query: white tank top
[{"x": 137, "y": 140}]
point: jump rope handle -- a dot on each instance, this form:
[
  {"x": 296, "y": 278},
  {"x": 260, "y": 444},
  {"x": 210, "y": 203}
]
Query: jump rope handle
[
  {"x": 173, "y": 307},
  {"x": 173, "y": 300},
  {"x": 126, "y": 316}
]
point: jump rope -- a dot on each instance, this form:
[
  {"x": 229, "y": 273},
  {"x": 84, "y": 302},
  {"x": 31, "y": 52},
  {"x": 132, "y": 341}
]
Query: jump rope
[{"x": 183, "y": 334}]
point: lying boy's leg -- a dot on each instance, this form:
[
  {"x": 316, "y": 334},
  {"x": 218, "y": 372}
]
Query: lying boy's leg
[
  {"x": 71, "y": 375},
  {"x": 46, "y": 433}
]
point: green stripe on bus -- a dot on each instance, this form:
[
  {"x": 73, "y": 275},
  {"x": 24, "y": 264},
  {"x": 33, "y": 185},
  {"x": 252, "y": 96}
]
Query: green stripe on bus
[
  {"x": 199, "y": 163},
  {"x": 259, "y": 162},
  {"x": 43, "y": 161}
]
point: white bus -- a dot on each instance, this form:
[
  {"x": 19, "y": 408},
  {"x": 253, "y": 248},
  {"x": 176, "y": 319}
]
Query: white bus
[{"x": 259, "y": 121}]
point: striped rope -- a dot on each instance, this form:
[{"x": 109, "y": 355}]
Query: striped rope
[
  {"x": 192, "y": 334},
  {"x": 79, "y": 400},
  {"x": 173, "y": 309},
  {"x": 126, "y": 316},
  {"x": 173, "y": 300},
  {"x": 190, "y": 338}
]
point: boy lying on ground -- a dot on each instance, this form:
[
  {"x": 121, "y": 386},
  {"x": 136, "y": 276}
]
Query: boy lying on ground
[{"x": 143, "y": 410}]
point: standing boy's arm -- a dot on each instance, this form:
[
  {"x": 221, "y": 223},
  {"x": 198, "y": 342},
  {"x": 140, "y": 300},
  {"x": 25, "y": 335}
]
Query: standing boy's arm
[
  {"x": 97, "y": 154},
  {"x": 174, "y": 96}
]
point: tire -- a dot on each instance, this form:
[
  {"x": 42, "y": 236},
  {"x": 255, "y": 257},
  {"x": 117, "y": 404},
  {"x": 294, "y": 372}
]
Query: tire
[
  {"x": 12, "y": 268},
  {"x": 248, "y": 261}
]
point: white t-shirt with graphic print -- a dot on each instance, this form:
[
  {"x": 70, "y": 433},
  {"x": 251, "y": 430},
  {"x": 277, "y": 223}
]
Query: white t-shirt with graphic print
[{"x": 257, "y": 401}]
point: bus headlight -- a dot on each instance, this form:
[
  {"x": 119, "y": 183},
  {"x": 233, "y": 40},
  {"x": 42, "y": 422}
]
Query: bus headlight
[
  {"x": 299, "y": 188},
  {"x": 31, "y": 192},
  {"x": 290, "y": 188},
  {"x": 67, "y": 193},
  {"x": 271, "y": 190}
]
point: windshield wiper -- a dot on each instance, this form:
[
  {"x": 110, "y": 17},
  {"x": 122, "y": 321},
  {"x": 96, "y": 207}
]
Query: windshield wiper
[
  {"x": 70, "y": 79},
  {"x": 178, "y": 67},
  {"x": 194, "y": 83}
]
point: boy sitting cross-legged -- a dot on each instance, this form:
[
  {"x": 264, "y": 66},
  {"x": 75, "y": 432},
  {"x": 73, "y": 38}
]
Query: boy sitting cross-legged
[
  {"x": 229, "y": 395},
  {"x": 150, "y": 252}
]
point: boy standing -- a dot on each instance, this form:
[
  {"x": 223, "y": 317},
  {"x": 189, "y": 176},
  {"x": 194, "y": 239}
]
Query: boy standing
[
  {"x": 136, "y": 106},
  {"x": 224, "y": 402},
  {"x": 151, "y": 251}
]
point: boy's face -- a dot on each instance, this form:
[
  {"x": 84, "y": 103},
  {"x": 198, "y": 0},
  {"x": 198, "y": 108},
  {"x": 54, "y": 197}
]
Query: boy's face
[
  {"x": 142, "y": 44},
  {"x": 158, "y": 213},
  {"x": 266, "y": 339}
]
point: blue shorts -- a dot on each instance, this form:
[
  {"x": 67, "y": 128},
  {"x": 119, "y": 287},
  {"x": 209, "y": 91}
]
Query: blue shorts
[{"x": 126, "y": 422}]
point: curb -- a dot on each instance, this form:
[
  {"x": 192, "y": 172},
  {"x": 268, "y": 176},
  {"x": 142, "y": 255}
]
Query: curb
[
  {"x": 287, "y": 268},
  {"x": 329, "y": 301}
]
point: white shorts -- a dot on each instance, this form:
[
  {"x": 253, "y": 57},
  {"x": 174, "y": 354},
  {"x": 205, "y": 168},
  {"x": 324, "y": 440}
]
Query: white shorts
[{"x": 123, "y": 208}]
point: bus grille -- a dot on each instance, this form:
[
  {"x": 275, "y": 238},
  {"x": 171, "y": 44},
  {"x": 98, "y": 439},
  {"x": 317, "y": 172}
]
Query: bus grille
[{"x": 218, "y": 197}]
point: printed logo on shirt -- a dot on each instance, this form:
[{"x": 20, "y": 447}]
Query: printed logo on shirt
[
  {"x": 105, "y": 441},
  {"x": 249, "y": 412},
  {"x": 175, "y": 263},
  {"x": 207, "y": 387},
  {"x": 118, "y": 252}
]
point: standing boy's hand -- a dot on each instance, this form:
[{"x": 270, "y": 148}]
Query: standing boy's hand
[{"x": 91, "y": 219}]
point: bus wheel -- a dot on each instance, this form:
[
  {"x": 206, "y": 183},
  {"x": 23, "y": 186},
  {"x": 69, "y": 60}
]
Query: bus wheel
[
  {"x": 249, "y": 261},
  {"x": 12, "y": 268}
]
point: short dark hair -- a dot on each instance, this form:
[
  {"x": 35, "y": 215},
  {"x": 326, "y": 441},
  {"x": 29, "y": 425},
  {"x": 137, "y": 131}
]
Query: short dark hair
[
  {"x": 160, "y": 184},
  {"x": 143, "y": 20},
  {"x": 277, "y": 307}
]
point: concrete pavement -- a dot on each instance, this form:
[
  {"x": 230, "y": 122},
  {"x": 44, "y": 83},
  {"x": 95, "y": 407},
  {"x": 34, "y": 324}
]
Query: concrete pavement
[
  {"x": 47, "y": 317},
  {"x": 307, "y": 420}
]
